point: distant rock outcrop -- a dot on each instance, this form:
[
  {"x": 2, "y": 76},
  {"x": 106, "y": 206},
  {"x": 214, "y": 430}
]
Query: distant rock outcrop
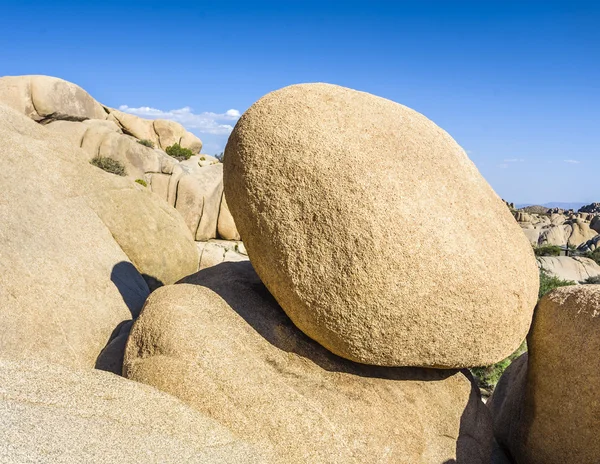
[
  {"x": 593, "y": 208},
  {"x": 575, "y": 269}
]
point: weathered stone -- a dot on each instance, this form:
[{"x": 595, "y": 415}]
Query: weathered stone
[
  {"x": 225, "y": 347},
  {"x": 546, "y": 408},
  {"x": 348, "y": 249},
  {"x": 50, "y": 414},
  {"x": 226, "y": 228},
  {"x": 66, "y": 283}
]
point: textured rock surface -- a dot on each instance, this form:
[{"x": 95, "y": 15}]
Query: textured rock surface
[
  {"x": 575, "y": 269},
  {"x": 225, "y": 347},
  {"x": 348, "y": 251},
  {"x": 66, "y": 282},
  {"x": 45, "y": 98},
  {"x": 546, "y": 409},
  {"x": 150, "y": 232},
  {"x": 50, "y": 414}
]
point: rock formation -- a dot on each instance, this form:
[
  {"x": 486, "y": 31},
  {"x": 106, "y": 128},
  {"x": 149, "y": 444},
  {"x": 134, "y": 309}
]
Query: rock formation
[
  {"x": 220, "y": 342},
  {"x": 98, "y": 130},
  {"x": 349, "y": 253},
  {"x": 67, "y": 248},
  {"x": 575, "y": 269},
  {"x": 546, "y": 408}
]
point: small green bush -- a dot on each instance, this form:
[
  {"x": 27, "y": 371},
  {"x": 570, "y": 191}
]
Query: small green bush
[
  {"x": 595, "y": 255},
  {"x": 203, "y": 158},
  {"x": 141, "y": 182},
  {"x": 109, "y": 165},
  {"x": 548, "y": 283},
  {"x": 146, "y": 143},
  {"x": 547, "y": 250},
  {"x": 488, "y": 376},
  {"x": 592, "y": 280},
  {"x": 178, "y": 152}
]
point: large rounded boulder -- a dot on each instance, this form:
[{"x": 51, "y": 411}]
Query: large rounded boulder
[
  {"x": 375, "y": 232},
  {"x": 545, "y": 407}
]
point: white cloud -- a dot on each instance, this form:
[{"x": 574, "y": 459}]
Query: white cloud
[
  {"x": 514, "y": 160},
  {"x": 206, "y": 123},
  {"x": 571, "y": 161},
  {"x": 503, "y": 165}
]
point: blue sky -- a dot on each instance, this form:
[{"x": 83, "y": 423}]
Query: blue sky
[{"x": 517, "y": 84}]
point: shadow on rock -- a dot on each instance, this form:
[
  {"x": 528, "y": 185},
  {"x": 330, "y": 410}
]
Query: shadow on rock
[
  {"x": 131, "y": 285},
  {"x": 134, "y": 289},
  {"x": 239, "y": 285},
  {"x": 111, "y": 357}
]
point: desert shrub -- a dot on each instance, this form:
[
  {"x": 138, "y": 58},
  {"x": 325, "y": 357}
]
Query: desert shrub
[
  {"x": 141, "y": 182},
  {"x": 203, "y": 158},
  {"x": 592, "y": 280},
  {"x": 178, "y": 152},
  {"x": 220, "y": 156},
  {"x": 548, "y": 283},
  {"x": 146, "y": 143},
  {"x": 547, "y": 250},
  {"x": 487, "y": 377},
  {"x": 595, "y": 255},
  {"x": 109, "y": 165}
]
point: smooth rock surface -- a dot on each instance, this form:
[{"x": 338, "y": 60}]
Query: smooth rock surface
[
  {"x": 348, "y": 249},
  {"x": 576, "y": 269},
  {"x": 50, "y": 414},
  {"x": 221, "y": 344}
]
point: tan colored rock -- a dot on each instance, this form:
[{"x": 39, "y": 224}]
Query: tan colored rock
[
  {"x": 533, "y": 235},
  {"x": 347, "y": 249},
  {"x": 576, "y": 269},
  {"x": 150, "y": 232},
  {"x": 50, "y": 414},
  {"x": 15, "y": 92},
  {"x": 189, "y": 140},
  {"x": 215, "y": 252},
  {"x": 581, "y": 233},
  {"x": 226, "y": 228},
  {"x": 558, "y": 219},
  {"x": 142, "y": 129},
  {"x": 226, "y": 348},
  {"x": 45, "y": 98},
  {"x": 170, "y": 132},
  {"x": 548, "y": 410},
  {"x": 199, "y": 198},
  {"x": 556, "y": 235},
  {"x": 55, "y": 98},
  {"x": 66, "y": 283},
  {"x": 160, "y": 185}
]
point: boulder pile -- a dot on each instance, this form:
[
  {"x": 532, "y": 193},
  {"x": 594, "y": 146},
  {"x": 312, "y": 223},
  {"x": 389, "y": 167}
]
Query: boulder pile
[{"x": 341, "y": 340}]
